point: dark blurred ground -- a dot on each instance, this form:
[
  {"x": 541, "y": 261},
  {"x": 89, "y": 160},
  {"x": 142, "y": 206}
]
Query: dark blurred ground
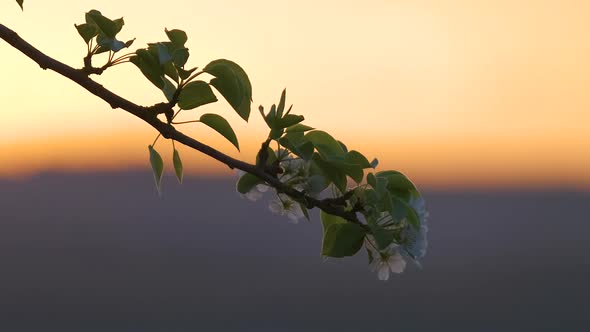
[{"x": 103, "y": 252}]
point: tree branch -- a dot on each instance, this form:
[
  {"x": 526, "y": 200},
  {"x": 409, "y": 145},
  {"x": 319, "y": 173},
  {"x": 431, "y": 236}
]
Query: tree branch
[{"x": 149, "y": 115}]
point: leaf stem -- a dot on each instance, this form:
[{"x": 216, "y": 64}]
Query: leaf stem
[
  {"x": 122, "y": 57},
  {"x": 185, "y": 122},
  {"x": 154, "y": 143},
  {"x": 192, "y": 77}
]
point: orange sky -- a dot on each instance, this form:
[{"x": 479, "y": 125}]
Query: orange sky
[{"x": 454, "y": 93}]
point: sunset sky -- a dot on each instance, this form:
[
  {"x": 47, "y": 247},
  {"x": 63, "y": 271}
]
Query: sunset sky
[{"x": 455, "y": 93}]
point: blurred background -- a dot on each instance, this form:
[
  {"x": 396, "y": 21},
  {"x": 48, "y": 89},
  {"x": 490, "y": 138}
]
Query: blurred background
[{"x": 483, "y": 104}]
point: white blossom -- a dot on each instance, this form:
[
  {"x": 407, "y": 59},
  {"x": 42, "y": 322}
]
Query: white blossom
[
  {"x": 389, "y": 261},
  {"x": 285, "y": 206},
  {"x": 386, "y": 260},
  {"x": 294, "y": 168},
  {"x": 253, "y": 195}
]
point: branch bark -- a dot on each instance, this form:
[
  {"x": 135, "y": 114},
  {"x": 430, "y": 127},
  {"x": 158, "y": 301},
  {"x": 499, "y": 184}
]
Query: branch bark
[{"x": 147, "y": 114}]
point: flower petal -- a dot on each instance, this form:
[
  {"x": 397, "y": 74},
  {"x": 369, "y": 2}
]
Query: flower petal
[
  {"x": 396, "y": 263},
  {"x": 382, "y": 271},
  {"x": 276, "y": 206},
  {"x": 253, "y": 195}
]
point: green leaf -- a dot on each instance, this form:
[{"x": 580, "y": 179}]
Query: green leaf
[
  {"x": 87, "y": 31},
  {"x": 343, "y": 146},
  {"x": 385, "y": 203},
  {"x": 355, "y": 157},
  {"x": 374, "y": 163},
  {"x": 326, "y": 145},
  {"x": 177, "y": 37},
  {"x": 195, "y": 94},
  {"x": 371, "y": 180},
  {"x": 411, "y": 215},
  {"x": 299, "y": 128},
  {"x": 276, "y": 133},
  {"x": 157, "y": 166},
  {"x": 330, "y": 172},
  {"x": 169, "y": 89},
  {"x": 289, "y": 120},
  {"x": 316, "y": 183},
  {"x": 383, "y": 237},
  {"x": 108, "y": 44},
  {"x": 341, "y": 239},
  {"x": 20, "y": 3},
  {"x": 396, "y": 181},
  {"x": 184, "y": 74},
  {"x": 329, "y": 220},
  {"x": 268, "y": 155},
  {"x": 170, "y": 71},
  {"x": 295, "y": 142},
  {"x": 177, "y": 165},
  {"x": 119, "y": 23},
  {"x": 281, "y": 107},
  {"x": 164, "y": 55},
  {"x": 247, "y": 182},
  {"x": 180, "y": 56},
  {"x": 149, "y": 66},
  {"x": 106, "y": 26},
  {"x": 233, "y": 83},
  {"x": 352, "y": 170},
  {"x": 271, "y": 117},
  {"x": 219, "y": 124}
]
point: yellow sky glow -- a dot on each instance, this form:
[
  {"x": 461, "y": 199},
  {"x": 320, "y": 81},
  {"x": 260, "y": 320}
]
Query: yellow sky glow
[{"x": 454, "y": 93}]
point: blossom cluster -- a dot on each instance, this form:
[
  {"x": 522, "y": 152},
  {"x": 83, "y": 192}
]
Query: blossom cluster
[
  {"x": 409, "y": 236},
  {"x": 295, "y": 173},
  {"x": 414, "y": 243}
]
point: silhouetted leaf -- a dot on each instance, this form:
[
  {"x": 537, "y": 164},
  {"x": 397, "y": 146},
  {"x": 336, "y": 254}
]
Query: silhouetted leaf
[
  {"x": 169, "y": 89},
  {"x": 184, "y": 74},
  {"x": 371, "y": 180},
  {"x": 177, "y": 165},
  {"x": 299, "y": 128},
  {"x": 149, "y": 66},
  {"x": 383, "y": 237},
  {"x": 374, "y": 163},
  {"x": 341, "y": 238},
  {"x": 170, "y": 71},
  {"x": 396, "y": 181},
  {"x": 355, "y": 157},
  {"x": 180, "y": 56},
  {"x": 87, "y": 31},
  {"x": 164, "y": 55},
  {"x": 106, "y": 26},
  {"x": 219, "y": 124},
  {"x": 108, "y": 44},
  {"x": 247, "y": 182},
  {"x": 281, "y": 106},
  {"x": 326, "y": 145},
  {"x": 177, "y": 37},
  {"x": 233, "y": 83},
  {"x": 157, "y": 166},
  {"x": 411, "y": 215},
  {"x": 195, "y": 94},
  {"x": 330, "y": 172},
  {"x": 289, "y": 120}
]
